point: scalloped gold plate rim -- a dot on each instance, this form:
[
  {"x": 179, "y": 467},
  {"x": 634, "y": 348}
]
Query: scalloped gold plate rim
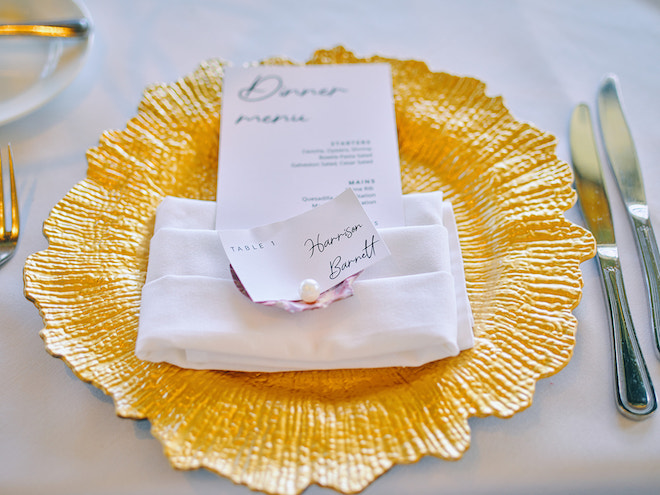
[{"x": 281, "y": 432}]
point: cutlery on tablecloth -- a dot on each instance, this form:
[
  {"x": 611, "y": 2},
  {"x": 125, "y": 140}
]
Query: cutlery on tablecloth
[
  {"x": 74, "y": 28},
  {"x": 8, "y": 239},
  {"x": 635, "y": 396},
  {"x": 623, "y": 160}
]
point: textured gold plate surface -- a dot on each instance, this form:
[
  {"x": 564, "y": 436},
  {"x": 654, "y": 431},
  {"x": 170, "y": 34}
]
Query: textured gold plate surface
[{"x": 281, "y": 432}]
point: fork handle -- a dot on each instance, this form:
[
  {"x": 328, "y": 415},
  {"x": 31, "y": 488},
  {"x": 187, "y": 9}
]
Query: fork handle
[
  {"x": 635, "y": 396},
  {"x": 648, "y": 249}
]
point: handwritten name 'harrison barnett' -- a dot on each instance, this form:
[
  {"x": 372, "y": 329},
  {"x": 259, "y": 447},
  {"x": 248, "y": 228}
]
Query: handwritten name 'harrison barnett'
[{"x": 339, "y": 264}]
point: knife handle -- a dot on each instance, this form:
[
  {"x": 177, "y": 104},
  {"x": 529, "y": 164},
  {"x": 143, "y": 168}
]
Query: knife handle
[
  {"x": 648, "y": 249},
  {"x": 635, "y": 396}
]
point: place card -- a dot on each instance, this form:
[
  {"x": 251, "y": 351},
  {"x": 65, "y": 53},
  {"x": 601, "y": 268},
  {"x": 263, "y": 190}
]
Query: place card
[
  {"x": 326, "y": 244},
  {"x": 293, "y": 137}
]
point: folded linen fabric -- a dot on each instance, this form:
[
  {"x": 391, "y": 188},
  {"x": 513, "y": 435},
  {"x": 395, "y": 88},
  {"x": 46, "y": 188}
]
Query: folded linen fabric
[{"x": 407, "y": 310}]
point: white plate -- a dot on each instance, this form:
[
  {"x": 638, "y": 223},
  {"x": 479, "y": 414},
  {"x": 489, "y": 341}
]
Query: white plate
[{"x": 35, "y": 69}]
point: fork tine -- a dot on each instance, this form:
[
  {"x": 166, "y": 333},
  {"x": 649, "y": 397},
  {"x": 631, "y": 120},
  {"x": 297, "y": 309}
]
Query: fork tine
[
  {"x": 14, "y": 198},
  {"x": 8, "y": 239},
  {"x": 2, "y": 203}
]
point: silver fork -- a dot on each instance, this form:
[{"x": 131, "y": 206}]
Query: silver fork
[{"x": 8, "y": 239}]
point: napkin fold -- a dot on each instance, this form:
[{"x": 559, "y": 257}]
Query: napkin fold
[{"x": 407, "y": 310}]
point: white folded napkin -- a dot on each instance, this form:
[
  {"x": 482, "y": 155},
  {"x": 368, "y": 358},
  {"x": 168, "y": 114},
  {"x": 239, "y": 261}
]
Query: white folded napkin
[{"x": 407, "y": 310}]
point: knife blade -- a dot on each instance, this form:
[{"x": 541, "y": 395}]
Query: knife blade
[
  {"x": 622, "y": 157},
  {"x": 635, "y": 396}
]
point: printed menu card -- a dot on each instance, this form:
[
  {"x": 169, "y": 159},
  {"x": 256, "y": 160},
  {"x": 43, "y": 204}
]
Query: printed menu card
[{"x": 294, "y": 137}]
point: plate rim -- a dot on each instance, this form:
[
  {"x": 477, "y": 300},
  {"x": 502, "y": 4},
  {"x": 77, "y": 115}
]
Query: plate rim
[{"x": 46, "y": 89}]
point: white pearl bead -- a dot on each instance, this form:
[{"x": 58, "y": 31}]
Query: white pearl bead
[{"x": 310, "y": 290}]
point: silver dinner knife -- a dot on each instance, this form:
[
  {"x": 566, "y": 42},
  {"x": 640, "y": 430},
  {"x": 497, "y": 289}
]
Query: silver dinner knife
[
  {"x": 623, "y": 160},
  {"x": 635, "y": 396}
]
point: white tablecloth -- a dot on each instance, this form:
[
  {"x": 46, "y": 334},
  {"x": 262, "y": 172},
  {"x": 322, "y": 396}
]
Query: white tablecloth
[{"x": 61, "y": 436}]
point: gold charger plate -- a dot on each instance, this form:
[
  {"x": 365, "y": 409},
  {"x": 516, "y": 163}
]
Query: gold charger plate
[{"x": 281, "y": 432}]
